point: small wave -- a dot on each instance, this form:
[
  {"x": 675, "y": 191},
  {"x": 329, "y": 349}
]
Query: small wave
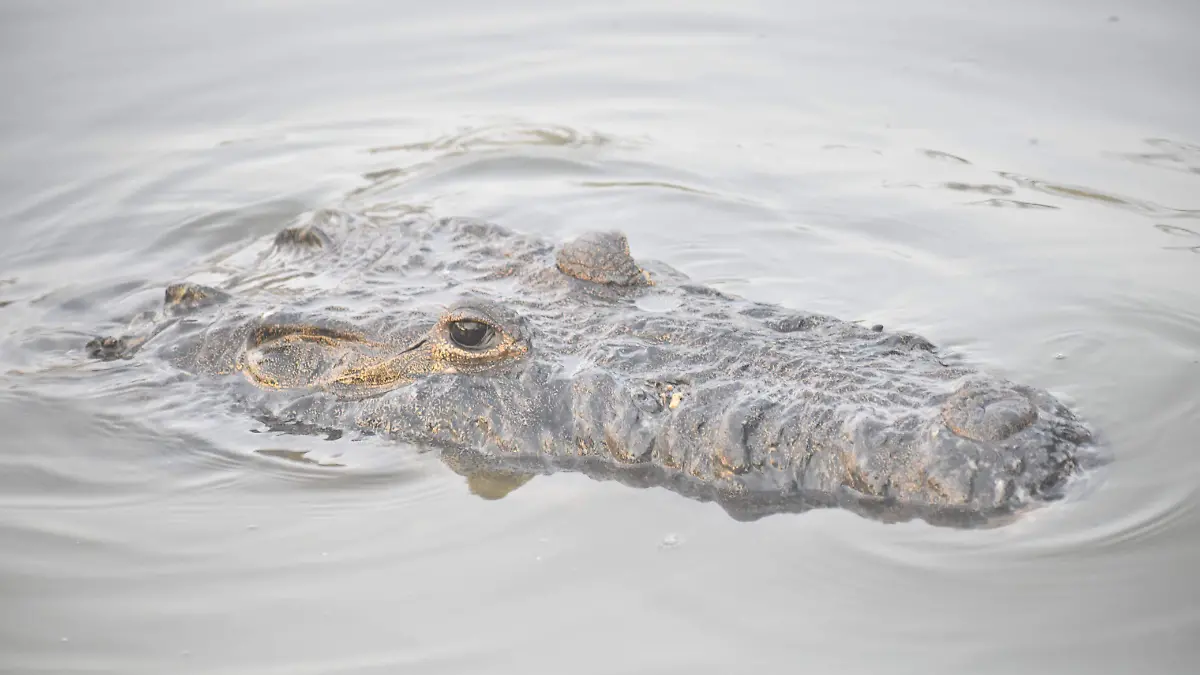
[
  {"x": 502, "y": 136},
  {"x": 1168, "y": 154}
]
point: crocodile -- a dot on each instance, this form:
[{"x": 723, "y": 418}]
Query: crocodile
[{"x": 513, "y": 356}]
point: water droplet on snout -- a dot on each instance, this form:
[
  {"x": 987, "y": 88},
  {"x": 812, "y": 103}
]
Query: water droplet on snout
[
  {"x": 672, "y": 540},
  {"x": 659, "y": 302}
]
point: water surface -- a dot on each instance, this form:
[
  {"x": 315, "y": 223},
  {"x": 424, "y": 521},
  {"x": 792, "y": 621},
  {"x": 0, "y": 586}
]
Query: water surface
[{"x": 1015, "y": 181}]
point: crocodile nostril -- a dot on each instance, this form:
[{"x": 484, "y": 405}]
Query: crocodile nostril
[{"x": 985, "y": 413}]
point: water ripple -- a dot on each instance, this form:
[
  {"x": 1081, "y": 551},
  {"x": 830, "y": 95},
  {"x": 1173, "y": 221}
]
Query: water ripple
[
  {"x": 502, "y": 136},
  {"x": 1168, "y": 154},
  {"x": 148, "y": 526}
]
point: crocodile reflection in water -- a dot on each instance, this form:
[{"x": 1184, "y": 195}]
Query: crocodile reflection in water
[{"x": 547, "y": 361}]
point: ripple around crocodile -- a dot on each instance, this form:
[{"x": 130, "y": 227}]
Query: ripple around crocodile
[{"x": 546, "y": 363}]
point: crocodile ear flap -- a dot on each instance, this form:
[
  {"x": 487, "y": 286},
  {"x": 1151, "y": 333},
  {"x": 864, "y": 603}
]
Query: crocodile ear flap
[{"x": 602, "y": 258}]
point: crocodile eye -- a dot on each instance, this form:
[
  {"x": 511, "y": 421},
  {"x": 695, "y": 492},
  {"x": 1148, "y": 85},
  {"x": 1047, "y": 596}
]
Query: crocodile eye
[{"x": 472, "y": 335}]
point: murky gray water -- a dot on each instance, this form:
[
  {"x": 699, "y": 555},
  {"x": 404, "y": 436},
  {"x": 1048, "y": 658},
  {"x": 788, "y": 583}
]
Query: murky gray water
[{"x": 1016, "y": 181}]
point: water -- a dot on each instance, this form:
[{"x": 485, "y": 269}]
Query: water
[{"x": 1016, "y": 181}]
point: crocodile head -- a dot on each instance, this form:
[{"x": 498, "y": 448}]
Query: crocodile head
[{"x": 759, "y": 408}]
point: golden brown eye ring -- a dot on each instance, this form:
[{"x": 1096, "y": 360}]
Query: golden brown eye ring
[{"x": 471, "y": 335}]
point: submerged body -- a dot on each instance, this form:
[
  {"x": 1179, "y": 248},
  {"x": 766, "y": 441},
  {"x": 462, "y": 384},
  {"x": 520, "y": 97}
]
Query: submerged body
[{"x": 514, "y": 357}]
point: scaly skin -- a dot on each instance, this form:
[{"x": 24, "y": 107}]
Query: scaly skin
[{"x": 545, "y": 360}]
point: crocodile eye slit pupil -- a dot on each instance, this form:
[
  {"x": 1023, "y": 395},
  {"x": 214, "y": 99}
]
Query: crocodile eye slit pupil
[{"x": 470, "y": 334}]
